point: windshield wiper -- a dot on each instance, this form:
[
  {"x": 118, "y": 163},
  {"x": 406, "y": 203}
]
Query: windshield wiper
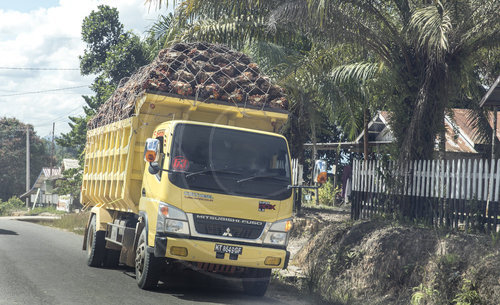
[
  {"x": 212, "y": 171},
  {"x": 274, "y": 176}
]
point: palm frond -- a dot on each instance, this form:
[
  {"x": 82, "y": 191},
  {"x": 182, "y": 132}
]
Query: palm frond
[
  {"x": 478, "y": 120},
  {"x": 161, "y": 27},
  {"x": 431, "y": 26},
  {"x": 356, "y": 72},
  {"x": 233, "y": 31}
]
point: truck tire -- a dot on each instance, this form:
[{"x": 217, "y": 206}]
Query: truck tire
[
  {"x": 146, "y": 265},
  {"x": 256, "y": 281},
  {"x": 95, "y": 245}
]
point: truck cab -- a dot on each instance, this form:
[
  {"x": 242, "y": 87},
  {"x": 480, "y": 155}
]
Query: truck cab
[{"x": 218, "y": 195}]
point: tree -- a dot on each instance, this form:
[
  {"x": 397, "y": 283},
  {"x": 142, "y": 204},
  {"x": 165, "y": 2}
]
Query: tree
[
  {"x": 70, "y": 184},
  {"x": 284, "y": 54},
  {"x": 427, "y": 47},
  {"x": 101, "y": 31},
  {"x": 13, "y": 157},
  {"x": 428, "y": 50},
  {"x": 112, "y": 54}
]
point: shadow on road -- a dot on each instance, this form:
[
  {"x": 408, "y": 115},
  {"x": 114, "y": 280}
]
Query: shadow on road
[
  {"x": 196, "y": 287},
  {"x": 7, "y": 232}
]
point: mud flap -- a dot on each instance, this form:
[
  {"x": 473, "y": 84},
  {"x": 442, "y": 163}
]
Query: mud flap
[
  {"x": 127, "y": 254},
  {"x": 84, "y": 247},
  {"x": 160, "y": 249}
]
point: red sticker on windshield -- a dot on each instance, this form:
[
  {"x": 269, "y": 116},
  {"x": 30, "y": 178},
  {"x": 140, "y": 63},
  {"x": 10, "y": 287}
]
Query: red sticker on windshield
[{"x": 180, "y": 163}]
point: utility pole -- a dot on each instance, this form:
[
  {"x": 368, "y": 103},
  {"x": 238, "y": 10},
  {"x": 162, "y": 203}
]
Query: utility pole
[
  {"x": 494, "y": 133},
  {"x": 27, "y": 164},
  {"x": 52, "y": 149}
]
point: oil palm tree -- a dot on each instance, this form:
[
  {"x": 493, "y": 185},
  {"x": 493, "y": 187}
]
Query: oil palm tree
[
  {"x": 426, "y": 47},
  {"x": 283, "y": 54}
]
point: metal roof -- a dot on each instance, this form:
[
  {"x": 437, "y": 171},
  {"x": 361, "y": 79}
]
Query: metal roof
[
  {"x": 492, "y": 97},
  {"x": 461, "y": 137},
  {"x": 46, "y": 173}
]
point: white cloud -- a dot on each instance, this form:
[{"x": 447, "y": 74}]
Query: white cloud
[{"x": 50, "y": 38}]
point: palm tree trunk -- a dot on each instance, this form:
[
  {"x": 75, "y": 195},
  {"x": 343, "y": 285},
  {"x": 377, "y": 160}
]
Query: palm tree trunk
[
  {"x": 313, "y": 138},
  {"x": 365, "y": 129},
  {"x": 412, "y": 141}
]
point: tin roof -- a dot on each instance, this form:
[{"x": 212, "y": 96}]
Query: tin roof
[
  {"x": 461, "y": 117},
  {"x": 461, "y": 136},
  {"x": 492, "y": 97}
]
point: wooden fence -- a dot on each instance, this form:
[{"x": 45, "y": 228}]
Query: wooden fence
[{"x": 452, "y": 193}]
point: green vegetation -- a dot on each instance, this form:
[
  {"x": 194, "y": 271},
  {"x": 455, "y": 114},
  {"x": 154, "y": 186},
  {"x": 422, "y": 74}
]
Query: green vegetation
[
  {"x": 327, "y": 193},
  {"x": 111, "y": 53},
  {"x": 13, "y": 157},
  {"x": 40, "y": 210},
  {"x": 468, "y": 294},
  {"x": 424, "y": 295},
  {"x": 349, "y": 58},
  {"x": 12, "y": 204}
]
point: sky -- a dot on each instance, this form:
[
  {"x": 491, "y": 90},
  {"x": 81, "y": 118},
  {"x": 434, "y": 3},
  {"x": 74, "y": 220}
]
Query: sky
[{"x": 40, "y": 42}]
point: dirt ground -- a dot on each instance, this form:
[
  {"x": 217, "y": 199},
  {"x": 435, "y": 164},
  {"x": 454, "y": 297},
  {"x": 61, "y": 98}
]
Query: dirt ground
[{"x": 386, "y": 262}]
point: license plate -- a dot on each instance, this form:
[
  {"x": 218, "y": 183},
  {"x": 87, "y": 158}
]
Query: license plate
[{"x": 228, "y": 249}]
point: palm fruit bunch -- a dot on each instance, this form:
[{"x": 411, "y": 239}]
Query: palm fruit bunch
[{"x": 199, "y": 71}]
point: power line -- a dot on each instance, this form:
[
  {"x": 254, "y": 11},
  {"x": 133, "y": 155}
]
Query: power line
[
  {"x": 43, "y": 91},
  {"x": 39, "y": 69},
  {"x": 63, "y": 117}
]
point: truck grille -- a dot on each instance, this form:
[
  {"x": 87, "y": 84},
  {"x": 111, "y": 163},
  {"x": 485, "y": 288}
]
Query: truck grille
[{"x": 227, "y": 226}]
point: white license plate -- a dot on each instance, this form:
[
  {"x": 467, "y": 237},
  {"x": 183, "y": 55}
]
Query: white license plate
[{"x": 228, "y": 249}]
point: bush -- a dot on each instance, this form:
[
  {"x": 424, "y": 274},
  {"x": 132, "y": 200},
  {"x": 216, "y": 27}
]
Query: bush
[
  {"x": 16, "y": 202},
  {"x": 7, "y": 207},
  {"x": 327, "y": 193}
]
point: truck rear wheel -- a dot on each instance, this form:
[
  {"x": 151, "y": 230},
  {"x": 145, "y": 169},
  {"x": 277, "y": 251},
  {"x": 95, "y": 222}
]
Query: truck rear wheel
[
  {"x": 256, "y": 281},
  {"x": 95, "y": 245},
  {"x": 146, "y": 265}
]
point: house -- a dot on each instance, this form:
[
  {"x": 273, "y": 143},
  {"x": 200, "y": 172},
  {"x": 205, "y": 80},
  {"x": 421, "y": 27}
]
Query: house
[
  {"x": 42, "y": 191},
  {"x": 462, "y": 139}
]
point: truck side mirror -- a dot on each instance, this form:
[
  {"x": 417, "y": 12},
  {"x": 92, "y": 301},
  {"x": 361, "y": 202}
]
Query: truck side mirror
[
  {"x": 151, "y": 154},
  {"x": 319, "y": 172},
  {"x": 151, "y": 150}
]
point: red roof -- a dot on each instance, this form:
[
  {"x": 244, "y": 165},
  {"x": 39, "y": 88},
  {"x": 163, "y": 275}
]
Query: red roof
[{"x": 461, "y": 118}]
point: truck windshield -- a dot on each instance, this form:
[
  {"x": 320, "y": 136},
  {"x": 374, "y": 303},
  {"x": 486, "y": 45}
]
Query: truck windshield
[{"x": 227, "y": 161}]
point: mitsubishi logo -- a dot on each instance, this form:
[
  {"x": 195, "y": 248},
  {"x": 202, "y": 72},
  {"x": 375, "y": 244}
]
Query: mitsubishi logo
[{"x": 227, "y": 233}]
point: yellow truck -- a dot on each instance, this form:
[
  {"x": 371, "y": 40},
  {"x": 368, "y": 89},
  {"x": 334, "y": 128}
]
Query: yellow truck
[{"x": 204, "y": 186}]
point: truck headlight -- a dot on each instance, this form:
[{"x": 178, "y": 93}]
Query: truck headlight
[
  {"x": 278, "y": 233},
  {"x": 171, "y": 220},
  {"x": 277, "y": 238}
]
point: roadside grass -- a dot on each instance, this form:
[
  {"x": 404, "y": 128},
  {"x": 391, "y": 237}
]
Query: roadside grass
[
  {"x": 40, "y": 210},
  {"x": 314, "y": 206},
  {"x": 74, "y": 222}
]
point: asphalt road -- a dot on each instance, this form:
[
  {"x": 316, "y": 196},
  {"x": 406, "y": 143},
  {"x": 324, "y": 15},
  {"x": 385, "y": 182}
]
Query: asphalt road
[{"x": 43, "y": 265}]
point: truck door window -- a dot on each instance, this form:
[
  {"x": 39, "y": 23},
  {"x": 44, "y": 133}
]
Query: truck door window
[{"x": 161, "y": 158}]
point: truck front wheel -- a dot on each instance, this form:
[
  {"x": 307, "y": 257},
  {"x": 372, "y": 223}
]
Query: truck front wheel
[
  {"x": 255, "y": 281},
  {"x": 146, "y": 265},
  {"x": 95, "y": 245}
]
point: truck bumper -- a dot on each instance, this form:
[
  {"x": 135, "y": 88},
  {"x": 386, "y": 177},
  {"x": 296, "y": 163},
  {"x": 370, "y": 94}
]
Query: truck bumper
[{"x": 204, "y": 251}]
